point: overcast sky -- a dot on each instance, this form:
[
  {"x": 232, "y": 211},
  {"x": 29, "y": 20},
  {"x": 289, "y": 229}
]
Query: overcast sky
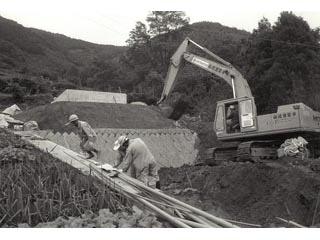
[{"x": 110, "y": 21}]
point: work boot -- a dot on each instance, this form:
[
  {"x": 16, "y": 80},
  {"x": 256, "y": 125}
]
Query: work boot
[
  {"x": 98, "y": 153},
  {"x": 158, "y": 185},
  {"x": 91, "y": 155}
]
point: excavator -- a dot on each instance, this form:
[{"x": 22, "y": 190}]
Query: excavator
[{"x": 253, "y": 137}]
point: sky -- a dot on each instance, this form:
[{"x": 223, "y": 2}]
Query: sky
[{"x": 110, "y": 21}]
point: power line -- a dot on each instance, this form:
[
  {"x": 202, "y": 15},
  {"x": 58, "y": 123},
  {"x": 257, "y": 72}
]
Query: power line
[
  {"x": 103, "y": 25},
  {"x": 265, "y": 39},
  {"x": 112, "y": 19},
  {"x": 288, "y": 43}
]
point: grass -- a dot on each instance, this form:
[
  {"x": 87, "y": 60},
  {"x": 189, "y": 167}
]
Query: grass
[{"x": 35, "y": 187}]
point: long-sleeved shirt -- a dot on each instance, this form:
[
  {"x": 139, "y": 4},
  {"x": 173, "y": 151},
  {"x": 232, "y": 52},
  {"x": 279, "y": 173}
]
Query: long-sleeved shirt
[
  {"x": 138, "y": 155},
  {"x": 86, "y": 132}
]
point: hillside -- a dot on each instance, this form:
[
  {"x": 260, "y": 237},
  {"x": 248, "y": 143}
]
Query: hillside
[
  {"x": 99, "y": 115},
  {"x": 146, "y": 66},
  {"x": 41, "y": 62},
  {"x": 33, "y": 51}
]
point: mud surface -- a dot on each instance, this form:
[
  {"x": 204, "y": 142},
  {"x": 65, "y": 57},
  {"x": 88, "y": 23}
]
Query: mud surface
[
  {"x": 98, "y": 115},
  {"x": 254, "y": 193}
]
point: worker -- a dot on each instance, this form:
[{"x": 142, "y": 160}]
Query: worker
[
  {"x": 136, "y": 160},
  {"x": 232, "y": 119},
  {"x": 87, "y": 136}
]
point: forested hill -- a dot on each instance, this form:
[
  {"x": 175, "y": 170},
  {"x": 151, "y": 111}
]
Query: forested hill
[
  {"x": 281, "y": 62},
  {"x": 146, "y": 64},
  {"x": 34, "y": 61},
  {"x": 35, "y": 52}
]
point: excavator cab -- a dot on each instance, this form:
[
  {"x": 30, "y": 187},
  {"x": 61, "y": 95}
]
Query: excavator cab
[{"x": 235, "y": 116}]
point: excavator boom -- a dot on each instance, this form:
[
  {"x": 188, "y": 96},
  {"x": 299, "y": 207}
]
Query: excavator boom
[{"x": 219, "y": 67}]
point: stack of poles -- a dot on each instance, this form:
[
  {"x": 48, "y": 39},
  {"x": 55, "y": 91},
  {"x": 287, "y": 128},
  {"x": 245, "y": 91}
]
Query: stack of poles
[{"x": 178, "y": 213}]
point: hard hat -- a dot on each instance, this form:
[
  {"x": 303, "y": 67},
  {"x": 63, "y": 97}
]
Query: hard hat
[
  {"x": 72, "y": 118},
  {"x": 120, "y": 141},
  {"x": 231, "y": 106}
]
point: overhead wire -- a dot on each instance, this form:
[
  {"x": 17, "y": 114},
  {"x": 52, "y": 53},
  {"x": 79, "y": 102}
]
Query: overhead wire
[
  {"x": 103, "y": 25},
  {"x": 190, "y": 28},
  {"x": 265, "y": 39}
]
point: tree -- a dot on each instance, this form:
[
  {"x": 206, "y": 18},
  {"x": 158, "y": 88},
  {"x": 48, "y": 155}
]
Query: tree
[
  {"x": 3, "y": 84},
  {"x": 138, "y": 36},
  {"x": 284, "y": 60},
  {"x": 18, "y": 92},
  {"x": 259, "y": 58},
  {"x": 161, "y": 22}
]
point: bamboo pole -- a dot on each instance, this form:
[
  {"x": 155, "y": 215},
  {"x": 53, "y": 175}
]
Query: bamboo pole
[
  {"x": 216, "y": 220},
  {"x": 202, "y": 221},
  {"x": 193, "y": 224},
  {"x": 175, "y": 208},
  {"x": 291, "y": 222},
  {"x": 130, "y": 193},
  {"x": 163, "y": 214},
  {"x": 243, "y": 223}
]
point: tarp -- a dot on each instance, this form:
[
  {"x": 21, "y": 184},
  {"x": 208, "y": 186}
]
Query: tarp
[
  {"x": 139, "y": 103},
  {"x": 5, "y": 120},
  {"x": 6, "y": 116},
  {"x": 292, "y": 146},
  {"x": 30, "y": 125},
  {"x": 14, "y": 109},
  {"x": 72, "y": 95}
]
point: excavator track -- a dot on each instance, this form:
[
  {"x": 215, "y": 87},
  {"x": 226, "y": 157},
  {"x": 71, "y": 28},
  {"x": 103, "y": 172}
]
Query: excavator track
[
  {"x": 257, "y": 151},
  {"x": 253, "y": 151},
  {"x": 214, "y": 156}
]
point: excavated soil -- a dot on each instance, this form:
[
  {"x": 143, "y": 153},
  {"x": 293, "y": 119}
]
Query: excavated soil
[
  {"x": 99, "y": 115},
  {"x": 249, "y": 192}
]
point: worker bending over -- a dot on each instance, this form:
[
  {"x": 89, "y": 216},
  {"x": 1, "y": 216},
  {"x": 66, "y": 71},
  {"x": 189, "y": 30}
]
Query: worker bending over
[
  {"x": 136, "y": 159},
  {"x": 87, "y": 136}
]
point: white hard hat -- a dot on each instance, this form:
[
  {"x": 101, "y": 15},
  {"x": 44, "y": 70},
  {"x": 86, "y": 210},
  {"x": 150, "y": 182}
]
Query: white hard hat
[
  {"x": 72, "y": 118},
  {"x": 231, "y": 106},
  {"x": 120, "y": 141}
]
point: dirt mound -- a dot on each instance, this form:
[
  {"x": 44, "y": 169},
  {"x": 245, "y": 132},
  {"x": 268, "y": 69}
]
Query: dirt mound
[
  {"x": 256, "y": 193},
  {"x": 99, "y": 115}
]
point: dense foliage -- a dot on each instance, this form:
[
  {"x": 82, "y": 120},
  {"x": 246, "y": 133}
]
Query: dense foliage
[
  {"x": 282, "y": 63},
  {"x": 42, "y": 62}
]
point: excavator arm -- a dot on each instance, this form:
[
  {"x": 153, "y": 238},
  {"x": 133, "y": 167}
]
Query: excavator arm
[{"x": 219, "y": 67}]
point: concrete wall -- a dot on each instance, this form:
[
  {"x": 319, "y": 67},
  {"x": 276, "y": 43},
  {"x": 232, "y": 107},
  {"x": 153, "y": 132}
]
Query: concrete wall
[
  {"x": 71, "y": 95},
  {"x": 170, "y": 147}
]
